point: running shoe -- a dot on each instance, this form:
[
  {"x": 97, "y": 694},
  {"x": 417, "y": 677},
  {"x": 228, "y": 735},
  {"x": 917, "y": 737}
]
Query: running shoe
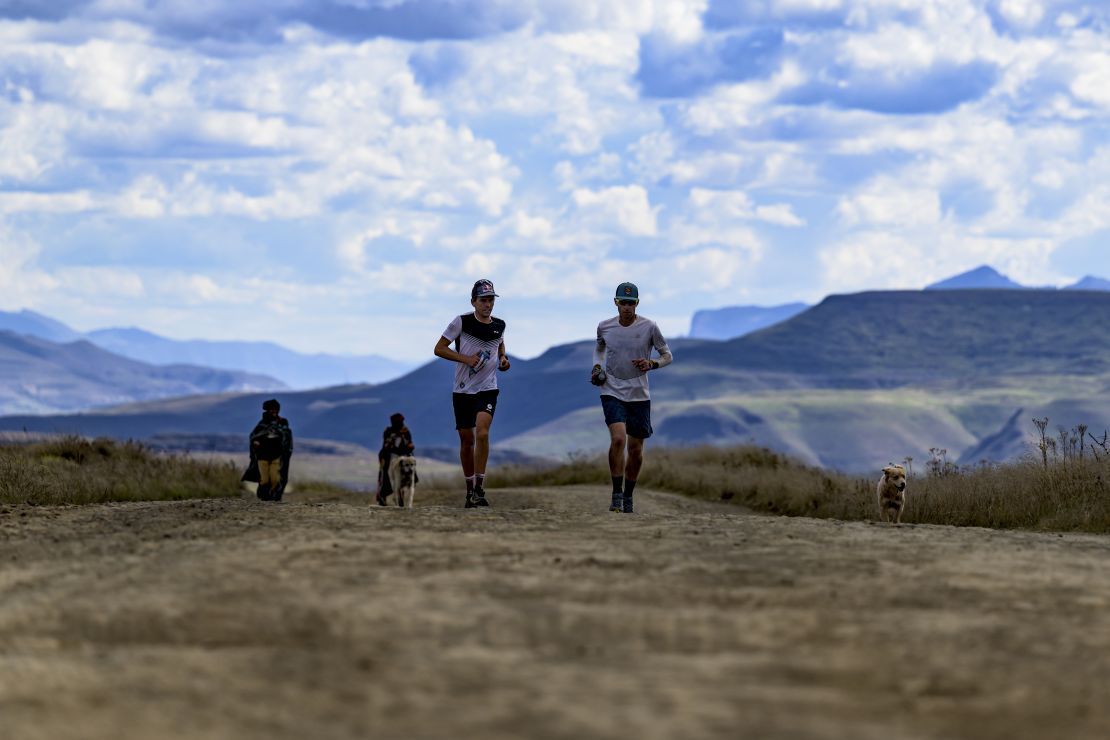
[
  {"x": 471, "y": 500},
  {"x": 627, "y": 505},
  {"x": 480, "y": 496},
  {"x": 615, "y": 504}
]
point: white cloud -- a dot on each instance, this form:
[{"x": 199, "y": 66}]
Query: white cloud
[
  {"x": 741, "y": 105},
  {"x": 870, "y": 260},
  {"x": 889, "y": 203},
  {"x": 626, "y": 207},
  {"x": 531, "y": 228},
  {"x": 1092, "y": 81},
  {"x": 1025, "y": 13},
  {"x": 30, "y": 202},
  {"x": 736, "y": 205},
  {"x": 356, "y": 252},
  {"x": 21, "y": 282},
  {"x": 28, "y": 144},
  {"x": 101, "y": 283},
  {"x": 712, "y": 268},
  {"x": 681, "y": 19},
  {"x": 339, "y": 174},
  {"x": 605, "y": 167},
  {"x": 579, "y": 87}
]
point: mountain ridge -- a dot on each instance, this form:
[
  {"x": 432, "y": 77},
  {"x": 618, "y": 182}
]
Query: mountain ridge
[
  {"x": 293, "y": 369},
  {"x": 40, "y": 376},
  {"x": 858, "y": 377}
]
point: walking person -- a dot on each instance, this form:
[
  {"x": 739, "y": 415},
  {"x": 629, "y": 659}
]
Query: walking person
[
  {"x": 478, "y": 339},
  {"x": 271, "y": 446},
  {"x": 396, "y": 441},
  {"x": 622, "y": 360}
]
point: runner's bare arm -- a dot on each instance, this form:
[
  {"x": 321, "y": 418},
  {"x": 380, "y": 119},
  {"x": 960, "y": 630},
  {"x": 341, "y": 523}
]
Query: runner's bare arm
[
  {"x": 597, "y": 373},
  {"x": 665, "y": 356},
  {"x": 443, "y": 349},
  {"x": 503, "y": 357},
  {"x": 599, "y": 349}
]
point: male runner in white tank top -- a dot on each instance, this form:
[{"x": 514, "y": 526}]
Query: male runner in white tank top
[
  {"x": 622, "y": 360},
  {"x": 479, "y": 340}
]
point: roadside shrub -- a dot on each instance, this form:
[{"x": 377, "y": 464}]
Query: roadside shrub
[
  {"x": 74, "y": 470},
  {"x": 1064, "y": 494}
]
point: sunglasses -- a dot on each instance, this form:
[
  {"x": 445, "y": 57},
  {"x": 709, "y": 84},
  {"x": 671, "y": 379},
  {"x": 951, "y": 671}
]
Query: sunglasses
[{"x": 626, "y": 303}]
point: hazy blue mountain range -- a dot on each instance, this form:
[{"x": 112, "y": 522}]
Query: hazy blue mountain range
[
  {"x": 1090, "y": 283},
  {"x": 853, "y": 383},
  {"x": 981, "y": 277},
  {"x": 293, "y": 369},
  {"x": 988, "y": 277},
  {"x": 736, "y": 321},
  {"x": 40, "y": 376},
  {"x": 36, "y": 325}
]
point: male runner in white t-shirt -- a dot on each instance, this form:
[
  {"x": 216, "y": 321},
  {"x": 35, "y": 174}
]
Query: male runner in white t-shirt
[
  {"x": 622, "y": 360},
  {"x": 478, "y": 338}
]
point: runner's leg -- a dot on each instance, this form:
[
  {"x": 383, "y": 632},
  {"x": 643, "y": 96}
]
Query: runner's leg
[
  {"x": 617, "y": 439},
  {"x": 466, "y": 452},
  {"x": 635, "y": 458},
  {"x": 632, "y": 470},
  {"x": 481, "y": 443}
]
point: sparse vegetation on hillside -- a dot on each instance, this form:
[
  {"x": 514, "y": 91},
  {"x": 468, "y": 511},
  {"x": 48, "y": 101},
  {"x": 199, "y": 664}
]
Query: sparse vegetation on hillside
[
  {"x": 74, "y": 470},
  {"x": 1067, "y": 493}
]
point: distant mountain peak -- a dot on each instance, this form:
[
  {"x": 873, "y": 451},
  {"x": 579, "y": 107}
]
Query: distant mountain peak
[
  {"x": 737, "y": 321},
  {"x": 1090, "y": 282},
  {"x": 983, "y": 276}
]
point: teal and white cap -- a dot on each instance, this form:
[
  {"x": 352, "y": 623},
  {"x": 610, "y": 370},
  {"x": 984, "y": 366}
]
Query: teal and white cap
[{"x": 627, "y": 292}]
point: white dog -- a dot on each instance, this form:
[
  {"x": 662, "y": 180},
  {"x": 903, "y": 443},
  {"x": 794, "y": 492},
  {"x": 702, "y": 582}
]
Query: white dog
[
  {"x": 402, "y": 478},
  {"x": 892, "y": 493}
]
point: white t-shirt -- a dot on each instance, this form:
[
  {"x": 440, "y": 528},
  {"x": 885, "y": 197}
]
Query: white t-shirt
[
  {"x": 618, "y": 346},
  {"x": 472, "y": 337}
]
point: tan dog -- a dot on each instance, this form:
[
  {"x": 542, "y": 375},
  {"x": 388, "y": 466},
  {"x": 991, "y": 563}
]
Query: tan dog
[
  {"x": 892, "y": 493},
  {"x": 402, "y": 478}
]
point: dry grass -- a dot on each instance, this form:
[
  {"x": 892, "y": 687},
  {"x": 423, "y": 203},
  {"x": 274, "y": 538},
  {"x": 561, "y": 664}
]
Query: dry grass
[
  {"x": 1068, "y": 495},
  {"x": 73, "y": 470}
]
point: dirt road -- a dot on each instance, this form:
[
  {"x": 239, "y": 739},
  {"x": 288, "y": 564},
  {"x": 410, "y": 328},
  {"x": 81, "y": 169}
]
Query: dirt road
[{"x": 543, "y": 617}]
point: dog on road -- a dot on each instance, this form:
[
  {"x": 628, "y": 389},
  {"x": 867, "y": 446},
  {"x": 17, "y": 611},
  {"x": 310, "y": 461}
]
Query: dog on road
[
  {"x": 892, "y": 493},
  {"x": 402, "y": 479}
]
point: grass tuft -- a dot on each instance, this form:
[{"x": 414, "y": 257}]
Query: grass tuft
[{"x": 74, "y": 470}]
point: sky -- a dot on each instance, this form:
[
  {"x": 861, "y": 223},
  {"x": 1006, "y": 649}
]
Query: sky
[{"x": 333, "y": 175}]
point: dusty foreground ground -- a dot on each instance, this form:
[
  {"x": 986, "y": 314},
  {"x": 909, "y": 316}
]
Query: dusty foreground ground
[{"x": 544, "y": 617}]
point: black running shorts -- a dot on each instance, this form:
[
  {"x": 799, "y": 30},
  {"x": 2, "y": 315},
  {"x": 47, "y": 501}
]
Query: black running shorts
[{"x": 468, "y": 405}]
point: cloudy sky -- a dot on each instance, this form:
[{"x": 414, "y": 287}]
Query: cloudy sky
[{"x": 334, "y": 174}]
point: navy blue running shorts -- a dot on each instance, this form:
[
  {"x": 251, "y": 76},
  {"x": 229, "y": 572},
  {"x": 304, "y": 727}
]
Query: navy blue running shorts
[{"x": 635, "y": 415}]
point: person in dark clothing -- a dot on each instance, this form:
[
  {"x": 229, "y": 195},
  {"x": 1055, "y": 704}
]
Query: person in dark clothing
[
  {"x": 271, "y": 446},
  {"x": 396, "y": 440}
]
